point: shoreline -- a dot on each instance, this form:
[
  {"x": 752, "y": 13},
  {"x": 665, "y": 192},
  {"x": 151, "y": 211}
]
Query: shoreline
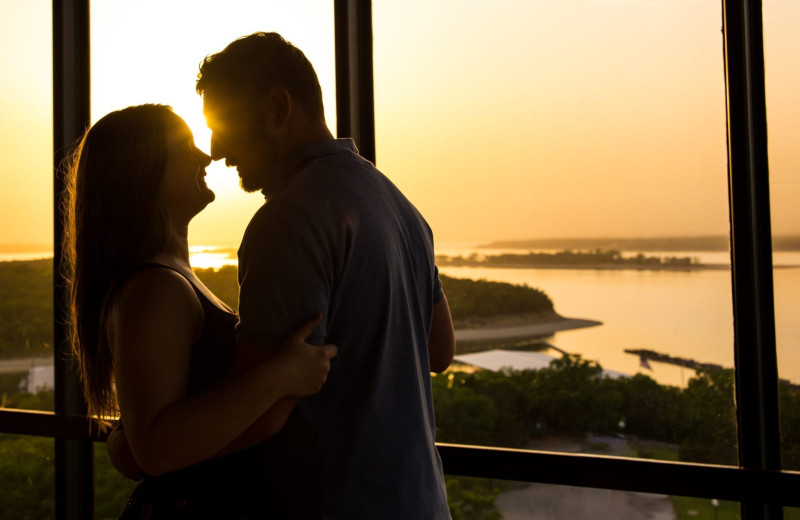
[
  {"x": 517, "y": 326},
  {"x": 36, "y": 257},
  {"x": 610, "y": 267}
]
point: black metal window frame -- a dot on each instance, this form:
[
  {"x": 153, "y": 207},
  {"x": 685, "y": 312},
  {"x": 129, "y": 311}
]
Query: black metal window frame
[{"x": 758, "y": 483}]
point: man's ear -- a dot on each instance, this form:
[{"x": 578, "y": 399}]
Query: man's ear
[{"x": 277, "y": 108}]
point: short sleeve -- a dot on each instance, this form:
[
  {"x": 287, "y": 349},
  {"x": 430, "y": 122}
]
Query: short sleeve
[{"x": 284, "y": 278}]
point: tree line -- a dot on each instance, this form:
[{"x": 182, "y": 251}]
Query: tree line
[
  {"x": 597, "y": 258},
  {"x": 26, "y": 306},
  {"x": 571, "y": 398}
]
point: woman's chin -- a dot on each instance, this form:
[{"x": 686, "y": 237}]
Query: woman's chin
[
  {"x": 206, "y": 194},
  {"x": 208, "y": 197}
]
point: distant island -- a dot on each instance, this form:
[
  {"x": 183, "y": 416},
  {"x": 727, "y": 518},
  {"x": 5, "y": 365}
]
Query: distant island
[
  {"x": 594, "y": 259},
  {"x": 697, "y": 243}
]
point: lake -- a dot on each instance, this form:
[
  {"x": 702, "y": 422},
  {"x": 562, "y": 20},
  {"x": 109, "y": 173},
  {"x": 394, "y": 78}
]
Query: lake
[{"x": 681, "y": 313}]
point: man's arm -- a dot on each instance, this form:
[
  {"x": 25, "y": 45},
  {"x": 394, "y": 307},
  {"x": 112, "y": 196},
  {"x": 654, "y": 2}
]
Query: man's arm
[
  {"x": 284, "y": 271},
  {"x": 442, "y": 338}
]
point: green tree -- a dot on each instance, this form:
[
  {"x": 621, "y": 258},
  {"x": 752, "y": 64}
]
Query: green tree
[
  {"x": 26, "y": 308},
  {"x": 27, "y": 473},
  {"x": 111, "y": 489},
  {"x": 462, "y": 415},
  {"x": 709, "y": 419},
  {"x": 571, "y": 397},
  {"x": 480, "y": 298},
  {"x": 473, "y": 498},
  {"x": 789, "y": 409},
  {"x": 651, "y": 410}
]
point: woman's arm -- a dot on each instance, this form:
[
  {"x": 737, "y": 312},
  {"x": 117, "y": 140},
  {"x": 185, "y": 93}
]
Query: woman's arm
[
  {"x": 119, "y": 452},
  {"x": 271, "y": 422},
  {"x": 153, "y": 326}
]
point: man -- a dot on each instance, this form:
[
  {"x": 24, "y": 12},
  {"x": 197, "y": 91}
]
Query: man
[{"x": 337, "y": 237}]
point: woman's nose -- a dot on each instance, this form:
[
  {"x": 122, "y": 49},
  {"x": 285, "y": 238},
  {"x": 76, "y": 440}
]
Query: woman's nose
[{"x": 206, "y": 159}]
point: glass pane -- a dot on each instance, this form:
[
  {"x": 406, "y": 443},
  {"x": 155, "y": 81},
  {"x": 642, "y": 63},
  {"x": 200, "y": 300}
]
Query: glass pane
[
  {"x": 577, "y": 148},
  {"x": 26, "y": 207},
  {"x": 27, "y": 477},
  {"x": 783, "y": 114},
  {"x": 494, "y": 499},
  {"x": 128, "y": 69}
]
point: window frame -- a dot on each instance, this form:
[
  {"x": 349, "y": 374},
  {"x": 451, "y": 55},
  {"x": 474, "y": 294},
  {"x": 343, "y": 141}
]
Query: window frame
[{"x": 758, "y": 483}]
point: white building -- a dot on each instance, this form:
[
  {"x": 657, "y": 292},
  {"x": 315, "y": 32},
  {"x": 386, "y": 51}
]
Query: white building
[{"x": 39, "y": 378}]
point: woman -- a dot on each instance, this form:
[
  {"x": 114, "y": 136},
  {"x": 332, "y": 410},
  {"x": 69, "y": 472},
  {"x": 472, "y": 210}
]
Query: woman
[{"x": 152, "y": 341}]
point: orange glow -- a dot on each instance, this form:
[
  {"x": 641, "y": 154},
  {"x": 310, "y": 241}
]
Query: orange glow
[{"x": 499, "y": 120}]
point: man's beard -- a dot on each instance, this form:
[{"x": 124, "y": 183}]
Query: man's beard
[
  {"x": 266, "y": 175},
  {"x": 250, "y": 185}
]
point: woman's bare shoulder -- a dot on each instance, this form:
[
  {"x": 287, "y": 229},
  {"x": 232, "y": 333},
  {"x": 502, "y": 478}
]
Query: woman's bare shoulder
[{"x": 155, "y": 289}]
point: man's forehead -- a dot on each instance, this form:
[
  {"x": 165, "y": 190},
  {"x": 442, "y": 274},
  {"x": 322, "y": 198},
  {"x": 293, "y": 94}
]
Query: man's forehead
[{"x": 218, "y": 108}]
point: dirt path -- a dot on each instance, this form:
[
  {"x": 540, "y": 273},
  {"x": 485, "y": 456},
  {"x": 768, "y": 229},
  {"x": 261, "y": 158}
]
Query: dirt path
[{"x": 548, "y": 502}]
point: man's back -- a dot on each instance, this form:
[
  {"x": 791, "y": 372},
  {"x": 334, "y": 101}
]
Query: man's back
[{"x": 341, "y": 239}]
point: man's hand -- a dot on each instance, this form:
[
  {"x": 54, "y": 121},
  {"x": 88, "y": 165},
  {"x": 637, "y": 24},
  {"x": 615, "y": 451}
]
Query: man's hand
[{"x": 304, "y": 367}]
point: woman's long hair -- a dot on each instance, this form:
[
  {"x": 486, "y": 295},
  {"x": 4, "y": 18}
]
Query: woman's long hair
[{"x": 114, "y": 221}]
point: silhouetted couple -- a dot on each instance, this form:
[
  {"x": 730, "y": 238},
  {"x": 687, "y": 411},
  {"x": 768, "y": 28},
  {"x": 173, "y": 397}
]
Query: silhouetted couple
[{"x": 315, "y": 400}]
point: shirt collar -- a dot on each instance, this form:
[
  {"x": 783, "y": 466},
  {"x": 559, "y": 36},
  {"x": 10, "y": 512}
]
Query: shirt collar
[{"x": 311, "y": 151}]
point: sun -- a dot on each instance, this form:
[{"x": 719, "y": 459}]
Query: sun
[{"x": 149, "y": 52}]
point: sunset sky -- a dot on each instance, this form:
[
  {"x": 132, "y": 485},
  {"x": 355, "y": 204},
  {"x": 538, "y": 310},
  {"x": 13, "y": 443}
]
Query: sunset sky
[{"x": 499, "y": 120}]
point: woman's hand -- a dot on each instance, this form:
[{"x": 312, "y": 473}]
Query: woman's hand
[
  {"x": 120, "y": 453},
  {"x": 303, "y": 367}
]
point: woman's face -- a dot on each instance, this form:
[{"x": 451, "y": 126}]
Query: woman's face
[{"x": 184, "y": 192}]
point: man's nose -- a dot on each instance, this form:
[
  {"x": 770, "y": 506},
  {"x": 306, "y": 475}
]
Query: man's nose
[{"x": 217, "y": 150}]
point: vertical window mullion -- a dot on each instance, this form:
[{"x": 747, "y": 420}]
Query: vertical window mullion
[
  {"x": 74, "y": 471},
  {"x": 751, "y": 250},
  {"x": 355, "y": 107}
]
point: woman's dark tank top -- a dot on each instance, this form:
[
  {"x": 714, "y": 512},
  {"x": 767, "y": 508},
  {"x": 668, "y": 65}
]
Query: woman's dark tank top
[{"x": 233, "y": 486}]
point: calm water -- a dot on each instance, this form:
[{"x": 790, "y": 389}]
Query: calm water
[{"x": 685, "y": 314}]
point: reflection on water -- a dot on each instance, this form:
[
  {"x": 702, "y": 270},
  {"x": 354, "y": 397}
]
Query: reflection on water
[
  {"x": 685, "y": 314},
  {"x": 213, "y": 257}
]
